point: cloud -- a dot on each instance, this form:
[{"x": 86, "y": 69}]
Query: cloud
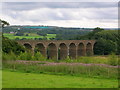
[
  {"x": 66, "y": 14},
  {"x": 62, "y": 1},
  {"x": 35, "y": 5}
]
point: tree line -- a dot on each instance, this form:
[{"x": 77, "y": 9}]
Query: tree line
[
  {"x": 61, "y": 33},
  {"x": 107, "y": 41}
]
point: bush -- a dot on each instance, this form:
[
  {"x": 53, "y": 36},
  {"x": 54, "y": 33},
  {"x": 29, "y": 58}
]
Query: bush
[
  {"x": 68, "y": 59},
  {"x": 10, "y": 56},
  {"x": 38, "y": 56},
  {"x": 9, "y": 46},
  {"x": 25, "y": 56},
  {"x": 113, "y": 59}
]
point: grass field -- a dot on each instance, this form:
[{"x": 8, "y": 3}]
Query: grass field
[
  {"x": 30, "y": 36},
  {"x": 31, "y": 80}
]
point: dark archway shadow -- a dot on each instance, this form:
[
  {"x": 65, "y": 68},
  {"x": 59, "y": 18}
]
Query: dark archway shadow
[
  {"x": 62, "y": 51},
  {"x": 81, "y": 50},
  {"x": 72, "y": 51},
  {"x": 52, "y": 51},
  {"x": 28, "y": 47},
  {"x": 89, "y": 51},
  {"x": 40, "y": 48}
]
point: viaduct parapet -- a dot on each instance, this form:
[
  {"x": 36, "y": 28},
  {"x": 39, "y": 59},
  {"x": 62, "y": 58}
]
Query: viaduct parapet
[{"x": 60, "y": 49}]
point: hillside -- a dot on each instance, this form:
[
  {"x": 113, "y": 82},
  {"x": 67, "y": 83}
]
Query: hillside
[{"x": 43, "y": 32}]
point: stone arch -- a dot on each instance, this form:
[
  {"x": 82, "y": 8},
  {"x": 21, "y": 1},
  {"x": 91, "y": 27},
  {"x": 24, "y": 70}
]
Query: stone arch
[
  {"x": 52, "y": 51},
  {"x": 72, "y": 50},
  {"x": 28, "y": 46},
  {"x": 81, "y": 50},
  {"x": 62, "y": 51},
  {"x": 40, "y": 48},
  {"x": 89, "y": 49}
]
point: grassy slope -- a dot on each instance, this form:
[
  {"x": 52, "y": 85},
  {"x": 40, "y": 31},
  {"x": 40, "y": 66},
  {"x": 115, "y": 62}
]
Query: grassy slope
[
  {"x": 31, "y": 36},
  {"x": 30, "y": 80}
]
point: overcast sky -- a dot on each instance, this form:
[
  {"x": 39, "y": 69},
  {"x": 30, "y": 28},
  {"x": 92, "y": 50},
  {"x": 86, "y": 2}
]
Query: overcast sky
[{"x": 66, "y": 14}]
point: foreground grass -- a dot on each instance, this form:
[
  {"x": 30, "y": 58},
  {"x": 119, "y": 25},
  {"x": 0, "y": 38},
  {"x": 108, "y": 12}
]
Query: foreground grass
[{"x": 31, "y": 80}]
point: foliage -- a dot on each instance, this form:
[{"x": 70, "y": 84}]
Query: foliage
[
  {"x": 39, "y": 57},
  {"x": 19, "y": 33},
  {"x": 68, "y": 59},
  {"x": 23, "y": 56},
  {"x": 41, "y": 34},
  {"x": 113, "y": 59},
  {"x": 9, "y": 46},
  {"x": 105, "y": 47},
  {"x": 4, "y": 23},
  {"x": 90, "y": 35},
  {"x": 106, "y": 41},
  {"x": 11, "y": 56}
]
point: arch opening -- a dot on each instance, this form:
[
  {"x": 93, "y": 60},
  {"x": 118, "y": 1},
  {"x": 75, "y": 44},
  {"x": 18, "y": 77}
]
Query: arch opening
[
  {"x": 89, "y": 49},
  {"x": 52, "y": 51},
  {"x": 81, "y": 50},
  {"x": 62, "y": 51},
  {"x": 40, "y": 48},
  {"x": 28, "y": 46},
  {"x": 72, "y": 51}
]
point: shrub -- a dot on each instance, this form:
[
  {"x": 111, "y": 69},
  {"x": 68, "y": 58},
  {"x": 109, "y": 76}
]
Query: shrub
[
  {"x": 68, "y": 59},
  {"x": 10, "y": 56},
  {"x": 113, "y": 59},
  {"x": 38, "y": 56},
  {"x": 25, "y": 56},
  {"x": 9, "y": 46}
]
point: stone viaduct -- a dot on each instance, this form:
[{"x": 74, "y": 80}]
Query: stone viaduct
[{"x": 60, "y": 49}]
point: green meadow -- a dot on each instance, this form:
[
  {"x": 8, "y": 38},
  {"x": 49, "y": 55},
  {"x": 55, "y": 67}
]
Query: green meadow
[
  {"x": 37, "y": 72},
  {"x": 32, "y": 80},
  {"x": 30, "y": 36}
]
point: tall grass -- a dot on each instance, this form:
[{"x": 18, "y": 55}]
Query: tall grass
[
  {"x": 91, "y": 70},
  {"x": 39, "y": 64}
]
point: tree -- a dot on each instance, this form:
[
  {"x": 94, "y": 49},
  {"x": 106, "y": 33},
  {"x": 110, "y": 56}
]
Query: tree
[
  {"x": 91, "y": 35},
  {"x": 9, "y": 46},
  {"x": 3, "y": 23},
  {"x": 19, "y": 33},
  {"x": 26, "y": 35},
  {"x": 17, "y": 38},
  {"x": 41, "y": 33},
  {"x": 105, "y": 47},
  {"x": 23, "y": 39},
  {"x": 97, "y": 29},
  {"x": 44, "y": 38},
  {"x": 107, "y": 41}
]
